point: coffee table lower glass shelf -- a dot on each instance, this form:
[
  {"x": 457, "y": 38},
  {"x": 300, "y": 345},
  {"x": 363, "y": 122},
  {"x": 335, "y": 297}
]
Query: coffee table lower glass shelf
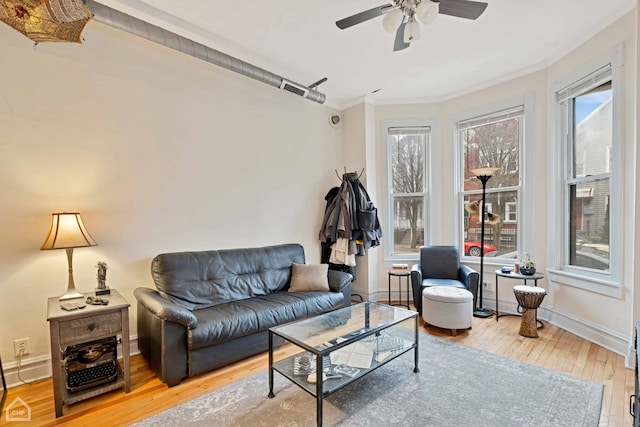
[{"x": 343, "y": 345}]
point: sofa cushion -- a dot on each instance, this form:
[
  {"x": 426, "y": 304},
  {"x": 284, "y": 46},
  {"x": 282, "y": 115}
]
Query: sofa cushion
[
  {"x": 309, "y": 277},
  {"x": 197, "y": 280},
  {"x": 238, "y": 318}
]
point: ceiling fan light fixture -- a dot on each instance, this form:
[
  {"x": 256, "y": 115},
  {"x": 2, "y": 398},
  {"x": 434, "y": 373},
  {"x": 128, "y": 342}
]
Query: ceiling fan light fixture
[
  {"x": 427, "y": 11},
  {"x": 391, "y": 21},
  {"x": 411, "y": 31}
]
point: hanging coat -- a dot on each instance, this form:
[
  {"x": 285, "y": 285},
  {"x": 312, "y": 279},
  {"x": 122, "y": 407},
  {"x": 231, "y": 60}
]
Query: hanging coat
[{"x": 350, "y": 214}]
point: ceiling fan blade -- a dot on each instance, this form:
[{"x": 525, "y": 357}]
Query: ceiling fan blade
[
  {"x": 362, "y": 16},
  {"x": 462, "y": 8},
  {"x": 399, "y": 43}
]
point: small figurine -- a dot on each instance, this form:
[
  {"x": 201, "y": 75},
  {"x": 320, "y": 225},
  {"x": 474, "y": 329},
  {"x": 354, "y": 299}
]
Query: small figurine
[{"x": 102, "y": 288}]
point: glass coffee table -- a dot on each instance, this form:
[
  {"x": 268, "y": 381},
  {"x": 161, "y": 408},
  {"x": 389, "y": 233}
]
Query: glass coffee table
[{"x": 343, "y": 346}]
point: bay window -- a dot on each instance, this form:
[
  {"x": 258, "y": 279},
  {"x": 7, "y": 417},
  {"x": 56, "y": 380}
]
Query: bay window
[
  {"x": 494, "y": 140},
  {"x": 587, "y": 207},
  {"x": 407, "y": 148}
]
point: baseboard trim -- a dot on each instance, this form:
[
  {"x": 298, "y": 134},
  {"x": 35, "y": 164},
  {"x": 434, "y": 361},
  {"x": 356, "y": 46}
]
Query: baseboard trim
[
  {"x": 589, "y": 331},
  {"x": 606, "y": 338},
  {"x": 597, "y": 334},
  {"x": 31, "y": 369},
  {"x": 36, "y": 368}
]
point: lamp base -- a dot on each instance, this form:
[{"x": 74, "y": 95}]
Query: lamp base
[
  {"x": 483, "y": 313},
  {"x": 71, "y": 294}
]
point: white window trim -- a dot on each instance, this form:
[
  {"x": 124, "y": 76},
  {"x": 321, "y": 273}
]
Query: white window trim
[
  {"x": 429, "y": 173},
  {"x": 606, "y": 283},
  {"x": 525, "y": 198},
  {"x": 508, "y": 211}
]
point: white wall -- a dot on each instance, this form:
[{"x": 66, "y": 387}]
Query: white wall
[
  {"x": 159, "y": 152},
  {"x": 590, "y": 312},
  {"x": 354, "y": 131},
  {"x": 604, "y": 320}
]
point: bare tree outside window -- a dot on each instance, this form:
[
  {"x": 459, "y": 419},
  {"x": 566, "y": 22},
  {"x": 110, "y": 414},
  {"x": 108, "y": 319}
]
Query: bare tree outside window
[
  {"x": 493, "y": 140},
  {"x": 407, "y": 161}
]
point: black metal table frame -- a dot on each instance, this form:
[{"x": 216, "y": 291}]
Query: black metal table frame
[
  {"x": 320, "y": 354},
  {"x": 400, "y": 274},
  {"x": 535, "y": 277}
]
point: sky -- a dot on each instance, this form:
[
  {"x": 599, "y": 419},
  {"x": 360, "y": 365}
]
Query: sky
[{"x": 585, "y": 104}]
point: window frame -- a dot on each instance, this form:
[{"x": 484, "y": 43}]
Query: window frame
[
  {"x": 524, "y": 238},
  {"x": 603, "y": 282},
  {"x": 510, "y": 210},
  {"x": 388, "y": 219}
]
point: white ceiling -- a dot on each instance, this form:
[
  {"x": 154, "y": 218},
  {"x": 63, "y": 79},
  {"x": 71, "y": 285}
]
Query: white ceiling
[{"x": 298, "y": 39}]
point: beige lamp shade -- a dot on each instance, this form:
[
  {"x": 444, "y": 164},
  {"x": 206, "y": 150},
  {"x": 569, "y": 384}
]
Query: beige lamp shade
[
  {"x": 484, "y": 171},
  {"x": 67, "y": 231}
]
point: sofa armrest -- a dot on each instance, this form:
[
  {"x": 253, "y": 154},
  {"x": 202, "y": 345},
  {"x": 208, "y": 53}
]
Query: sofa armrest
[
  {"x": 416, "y": 286},
  {"x": 338, "y": 280},
  {"x": 470, "y": 278},
  {"x": 162, "y": 335},
  {"x": 164, "y": 309}
]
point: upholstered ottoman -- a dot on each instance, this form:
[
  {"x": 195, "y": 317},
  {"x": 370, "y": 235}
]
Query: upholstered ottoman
[{"x": 447, "y": 307}]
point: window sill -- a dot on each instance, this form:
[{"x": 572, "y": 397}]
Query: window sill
[
  {"x": 586, "y": 283},
  {"x": 489, "y": 261}
]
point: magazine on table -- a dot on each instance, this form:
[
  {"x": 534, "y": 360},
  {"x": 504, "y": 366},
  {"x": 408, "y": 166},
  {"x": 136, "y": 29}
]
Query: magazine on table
[{"x": 356, "y": 355}]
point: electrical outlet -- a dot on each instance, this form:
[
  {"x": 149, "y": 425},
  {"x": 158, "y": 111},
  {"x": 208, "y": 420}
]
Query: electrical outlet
[{"x": 21, "y": 347}]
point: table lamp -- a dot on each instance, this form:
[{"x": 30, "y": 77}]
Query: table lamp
[
  {"x": 483, "y": 174},
  {"x": 67, "y": 232}
]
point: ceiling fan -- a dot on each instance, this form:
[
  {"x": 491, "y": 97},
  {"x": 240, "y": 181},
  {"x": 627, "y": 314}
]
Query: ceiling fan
[{"x": 402, "y": 16}]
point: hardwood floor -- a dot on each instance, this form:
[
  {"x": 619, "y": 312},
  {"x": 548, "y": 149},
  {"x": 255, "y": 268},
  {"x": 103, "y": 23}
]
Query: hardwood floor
[{"x": 555, "y": 349}]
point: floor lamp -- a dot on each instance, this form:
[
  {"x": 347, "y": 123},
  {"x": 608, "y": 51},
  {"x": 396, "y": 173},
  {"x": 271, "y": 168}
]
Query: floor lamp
[{"x": 483, "y": 174}]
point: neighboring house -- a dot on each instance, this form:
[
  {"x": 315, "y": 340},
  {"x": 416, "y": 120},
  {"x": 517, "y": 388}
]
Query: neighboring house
[{"x": 593, "y": 149}]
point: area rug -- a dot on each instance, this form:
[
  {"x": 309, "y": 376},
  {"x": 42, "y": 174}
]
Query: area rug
[{"x": 456, "y": 385}]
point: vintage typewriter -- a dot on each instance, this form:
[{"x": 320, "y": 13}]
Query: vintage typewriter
[{"x": 91, "y": 363}]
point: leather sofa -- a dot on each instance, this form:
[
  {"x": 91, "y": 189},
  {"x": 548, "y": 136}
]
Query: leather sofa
[{"x": 212, "y": 308}]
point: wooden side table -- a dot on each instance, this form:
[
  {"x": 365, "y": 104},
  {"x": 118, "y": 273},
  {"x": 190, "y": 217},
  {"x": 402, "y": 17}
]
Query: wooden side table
[
  {"x": 80, "y": 326},
  {"x": 400, "y": 273}
]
